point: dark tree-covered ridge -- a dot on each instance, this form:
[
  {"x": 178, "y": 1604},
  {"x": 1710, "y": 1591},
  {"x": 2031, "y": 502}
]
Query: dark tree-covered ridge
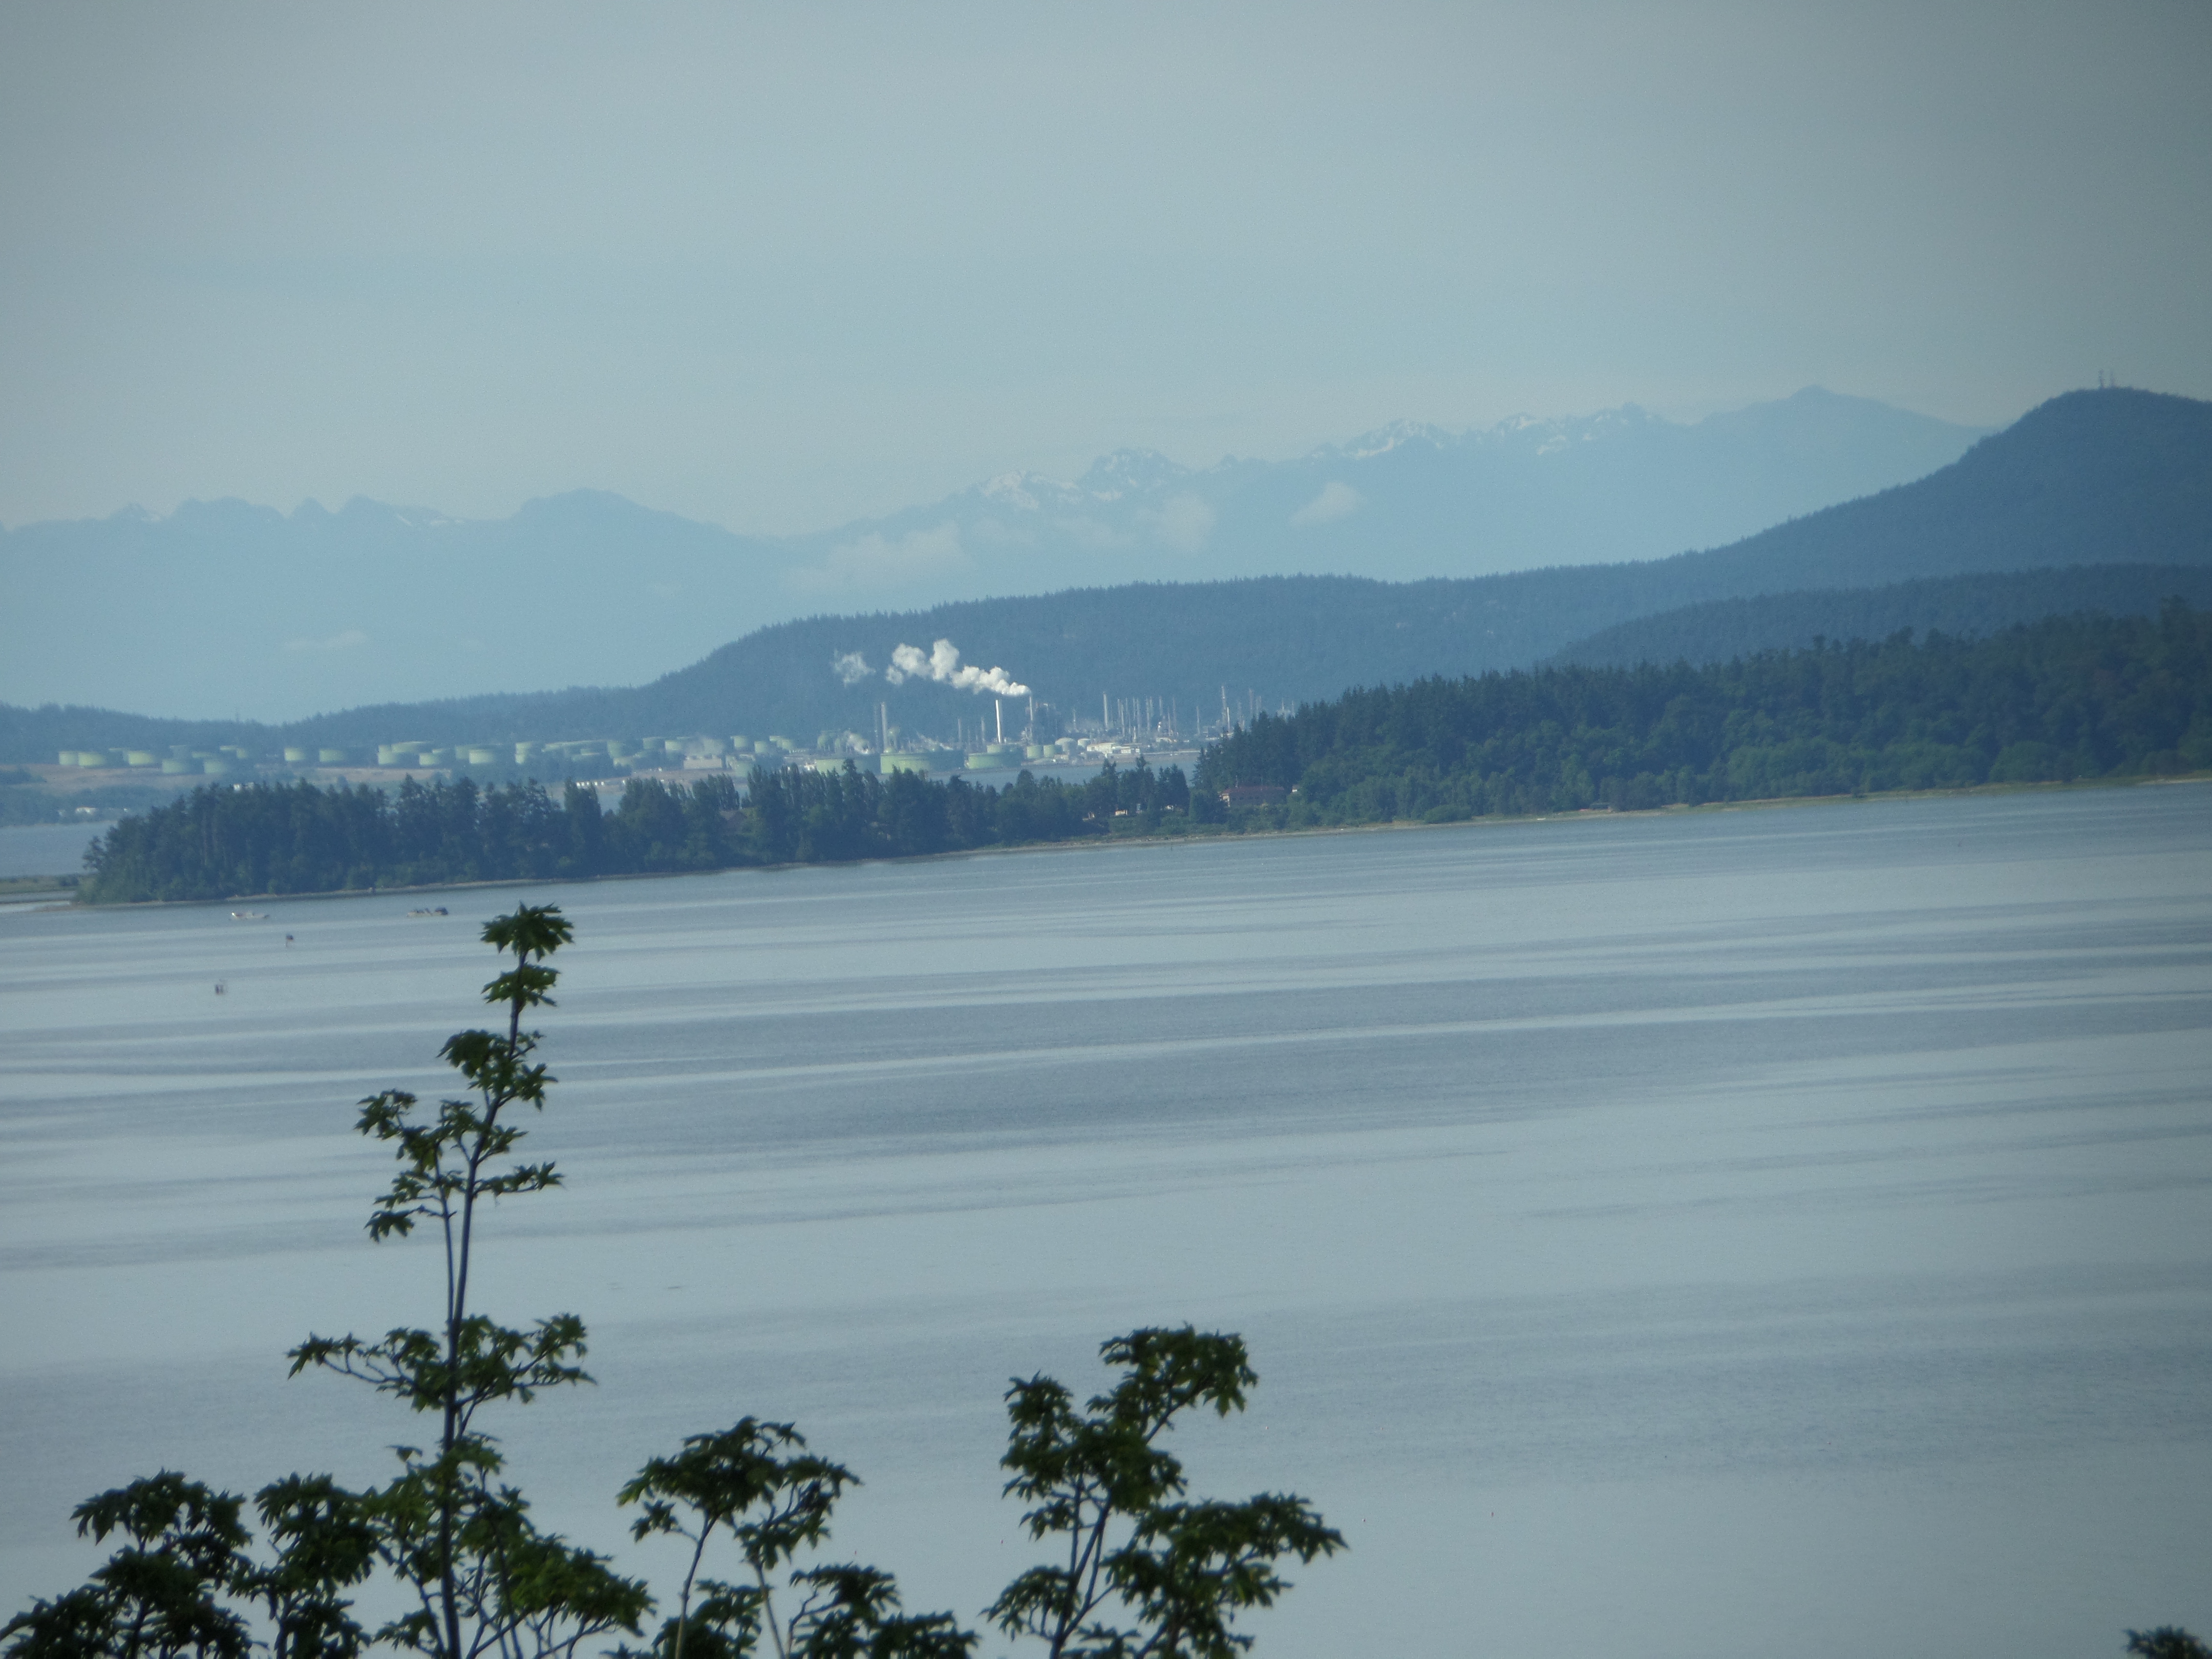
[
  {"x": 2068, "y": 697},
  {"x": 222, "y": 842},
  {"x": 1966, "y": 607}
]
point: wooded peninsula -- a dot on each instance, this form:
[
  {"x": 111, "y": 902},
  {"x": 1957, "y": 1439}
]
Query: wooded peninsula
[{"x": 2069, "y": 698}]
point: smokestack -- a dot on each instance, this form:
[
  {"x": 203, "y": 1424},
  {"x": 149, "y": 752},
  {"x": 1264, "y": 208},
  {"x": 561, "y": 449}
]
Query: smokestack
[{"x": 999, "y": 709}]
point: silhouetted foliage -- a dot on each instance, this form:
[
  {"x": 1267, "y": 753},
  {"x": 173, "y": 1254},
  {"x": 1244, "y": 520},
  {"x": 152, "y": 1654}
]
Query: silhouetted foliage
[
  {"x": 1138, "y": 1569},
  {"x": 2167, "y": 1642},
  {"x": 757, "y": 1484}
]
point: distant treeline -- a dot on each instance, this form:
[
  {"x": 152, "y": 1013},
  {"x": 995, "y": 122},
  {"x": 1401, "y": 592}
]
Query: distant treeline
[
  {"x": 2074, "y": 696},
  {"x": 223, "y": 841},
  {"x": 2068, "y": 697}
]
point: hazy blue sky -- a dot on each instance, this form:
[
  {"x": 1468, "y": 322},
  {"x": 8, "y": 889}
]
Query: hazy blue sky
[{"x": 779, "y": 267}]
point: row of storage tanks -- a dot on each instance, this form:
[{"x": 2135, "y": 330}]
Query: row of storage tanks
[
  {"x": 183, "y": 759},
  {"x": 996, "y": 755},
  {"x": 992, "y": 757},
  {"x": 424, "y": 754}
]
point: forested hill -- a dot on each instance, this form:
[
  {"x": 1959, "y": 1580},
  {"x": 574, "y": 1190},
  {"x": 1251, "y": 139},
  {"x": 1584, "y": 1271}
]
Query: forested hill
[
  {"x": 1967, "y": 606},
  {"x": 2110, "y": 476},
  {"x": 2068, "y": 697}
]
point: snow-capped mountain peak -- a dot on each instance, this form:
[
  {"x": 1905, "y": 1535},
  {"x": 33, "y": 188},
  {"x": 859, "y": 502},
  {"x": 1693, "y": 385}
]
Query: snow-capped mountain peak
[
  {"x": 1014, "y": 490},
  {"x": 1129, "y": 472},
  {"x": 1384, "y": 439}
]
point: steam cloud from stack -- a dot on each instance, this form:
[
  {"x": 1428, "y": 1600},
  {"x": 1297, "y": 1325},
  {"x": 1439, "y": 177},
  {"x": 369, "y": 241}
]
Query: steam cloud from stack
[{"x": 943, "y": 664}]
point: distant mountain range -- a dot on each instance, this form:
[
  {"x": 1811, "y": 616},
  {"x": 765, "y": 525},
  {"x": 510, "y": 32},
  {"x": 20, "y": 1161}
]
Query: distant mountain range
[
  {"x": 2096, "y": 500},
  {"x": 224, "y": 608}
]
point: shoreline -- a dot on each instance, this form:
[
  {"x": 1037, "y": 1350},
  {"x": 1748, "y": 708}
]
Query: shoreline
[{"x": 1208, "y": 834}]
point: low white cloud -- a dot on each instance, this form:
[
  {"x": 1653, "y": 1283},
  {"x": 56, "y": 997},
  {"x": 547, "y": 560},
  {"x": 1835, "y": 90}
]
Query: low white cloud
[
  {"x": 1336, "y": 500},
  {"x": 345, "y": 642},
  {"x": 850, "y": 666},
  {"x": 878, "y": 561},
  {"x": 1184, "y": 522}
]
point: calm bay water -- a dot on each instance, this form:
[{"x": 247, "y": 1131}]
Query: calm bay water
[
  {"x": 1722, "y": 1233},
  {"x": 45, "y": 849}
]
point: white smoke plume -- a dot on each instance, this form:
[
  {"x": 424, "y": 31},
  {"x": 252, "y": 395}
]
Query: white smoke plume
[
  {"x": 850, "y": 666},
  {"x": 943, "y": 664}
]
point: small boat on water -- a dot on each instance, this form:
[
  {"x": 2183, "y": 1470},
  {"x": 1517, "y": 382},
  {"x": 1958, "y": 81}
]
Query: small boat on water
[
  {"x": 434, "y": 910},
  {"x": 249, "y": 915}
]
